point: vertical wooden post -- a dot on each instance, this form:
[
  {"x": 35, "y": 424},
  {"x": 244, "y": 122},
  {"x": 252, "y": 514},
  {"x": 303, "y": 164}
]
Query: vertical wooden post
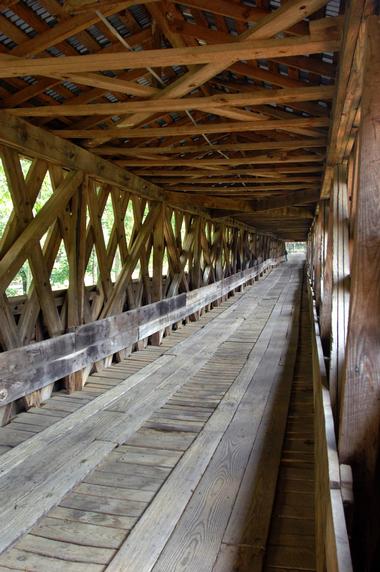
[
  {"x": 158, "y": 257},
  {"x": 317, "y": 260},
  {"x": 77, "y": 268},
  {"x": 195, "y": 270},
  {"x": 359, "y": 435},
  {"x": 340, "y": 286},
  {"x": 325, "y": 312}
]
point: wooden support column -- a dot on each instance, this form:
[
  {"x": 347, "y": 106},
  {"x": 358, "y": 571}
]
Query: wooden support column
[
  {"x": 195, "y": 272},
  {"x": 340, "y": 284},
  {"x": 158, "y": 257},
  {"x": 317, "y": 260},
  {"x": 359, "y": 435},
  {"x": 76, "y": 250},
  {"x": 325, "y": 311}
]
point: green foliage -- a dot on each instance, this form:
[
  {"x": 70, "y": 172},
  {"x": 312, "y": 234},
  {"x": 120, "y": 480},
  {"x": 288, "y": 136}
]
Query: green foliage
[
  {"x": 107, "y": 219},
  {"x": 128, "y": 223},
  {"x": 295, "y": 247},
  {"x": 45, "y": 193},
  {"x": 5, "y": 201},
  {"x": 59, "y": 277}
]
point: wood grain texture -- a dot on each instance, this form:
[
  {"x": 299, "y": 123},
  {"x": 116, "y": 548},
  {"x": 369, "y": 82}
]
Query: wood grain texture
[
  {"x": 37, "y": 365},
  {"x": 189, "y": 470},
  {"x": 92, "y": 430},
  {"x": 358, "y": 432}
]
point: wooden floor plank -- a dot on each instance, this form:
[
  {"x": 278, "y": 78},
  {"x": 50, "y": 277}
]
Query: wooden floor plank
[
  {"x": 143, "y": 546},
  {"x": 104, "y": 505},
  {"x": 148, "y": 456},
  {"x": 79, "y": 533},
  {"x": 182, "y": 429},
  {"x": 124, "y": 523},
  {"x": 188, "y": 357},
  {"x": 113, "y": 492},
  {"x": 128, "y": 366},
  {"x": 21, "y": 560},
  {"x": 65, "y": 550},
  {"x": 198, "y": 535}
]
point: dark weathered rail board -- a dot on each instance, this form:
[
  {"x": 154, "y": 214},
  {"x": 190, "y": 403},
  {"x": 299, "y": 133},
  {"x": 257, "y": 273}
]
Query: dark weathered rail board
[{"x": 32, "y": 367}]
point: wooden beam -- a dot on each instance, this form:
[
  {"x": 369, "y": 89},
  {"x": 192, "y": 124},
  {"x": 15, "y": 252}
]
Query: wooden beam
[
  {"x": 287, "y": 213},
  {"x": 80, "y": 6},
  {"x": 68, "y": 27},
  {"x": 115, "y": 302},
  {"x": 173, "y": 150},
  {"x": 200, "y": 163},
  {"x": 73, "y": 7},
  {"x": 237, "y": 180},
  {"x": 159, "y": 173},
  {"x": 348, "y": 91},
  {"x": 211, "y": 127},
  {"x": 196, "y": 31},
  {"x": 96, "y": 80},
  {"x": 214, "y": 54},
  {"x": 273, "y": 23},
  {"x": 281, "y": 214},
  {"x": 231, "y": 10},
  {"x": 287, "y": 199},
  {"x": 241, "y": 205},
  {"x": 108, "y": 84},
  {"x": 164, "y": 105},
  {"x": 29, "y": 139},
  {"x": 260, "y": 187}
]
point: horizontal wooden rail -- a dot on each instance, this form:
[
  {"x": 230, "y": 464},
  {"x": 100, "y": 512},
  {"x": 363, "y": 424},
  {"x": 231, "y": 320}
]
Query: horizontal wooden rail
[
  {"x": 332, "y": 544},
  {"x": 32, "y": 367}
]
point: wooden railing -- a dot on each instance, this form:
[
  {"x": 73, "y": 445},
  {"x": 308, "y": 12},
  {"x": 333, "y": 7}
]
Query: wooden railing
[
  {"x": 30, "y": 368},
  {"x": 332, "y": 544}
]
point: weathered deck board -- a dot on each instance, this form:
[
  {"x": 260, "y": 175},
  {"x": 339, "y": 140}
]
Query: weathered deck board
[
  {"x": 144, "y": 545},
  {"x": 198, "y": 535},
  {"x": 174, "y": 370},
  {"x": 98, "y": 383},
  {"x": 161, "y": 500}
]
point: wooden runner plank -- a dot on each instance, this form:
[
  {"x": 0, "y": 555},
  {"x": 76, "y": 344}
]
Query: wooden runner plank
[
  {"x": 147, "y": 456},
  {"x": 79, "y": 533},
  {"x": 113, "y": 492},
  {"x": 205, "y": 517},
  {"x": 65, "y": 550},
  {"x": 145, "y": 543},
  {"x": 91, "y": 517},
  {"x": 113, "y": 507},
  {"x": 22, "y": 560}
]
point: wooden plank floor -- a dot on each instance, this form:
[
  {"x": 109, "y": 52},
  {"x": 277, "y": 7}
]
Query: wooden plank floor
[
  {"x": 60, "y": 405},
  {"x": 170, "y": 471},
  {"x": 291, "y": 543}
]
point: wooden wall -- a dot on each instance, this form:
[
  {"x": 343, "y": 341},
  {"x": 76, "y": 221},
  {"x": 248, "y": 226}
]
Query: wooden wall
[{"x": 344, "y": 263}]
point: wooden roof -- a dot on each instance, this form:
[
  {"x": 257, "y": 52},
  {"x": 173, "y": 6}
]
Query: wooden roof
[{"x": 224, "y": 104}]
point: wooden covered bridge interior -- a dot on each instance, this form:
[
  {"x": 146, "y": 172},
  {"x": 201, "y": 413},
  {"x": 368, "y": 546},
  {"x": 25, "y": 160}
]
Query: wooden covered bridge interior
[{"x": 179, "y": 391}]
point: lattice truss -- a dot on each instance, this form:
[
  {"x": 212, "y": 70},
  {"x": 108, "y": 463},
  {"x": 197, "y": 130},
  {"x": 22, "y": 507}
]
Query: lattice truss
[
  {"x": 166, "y": 251},
  {"x": 224, "y": 103}
]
